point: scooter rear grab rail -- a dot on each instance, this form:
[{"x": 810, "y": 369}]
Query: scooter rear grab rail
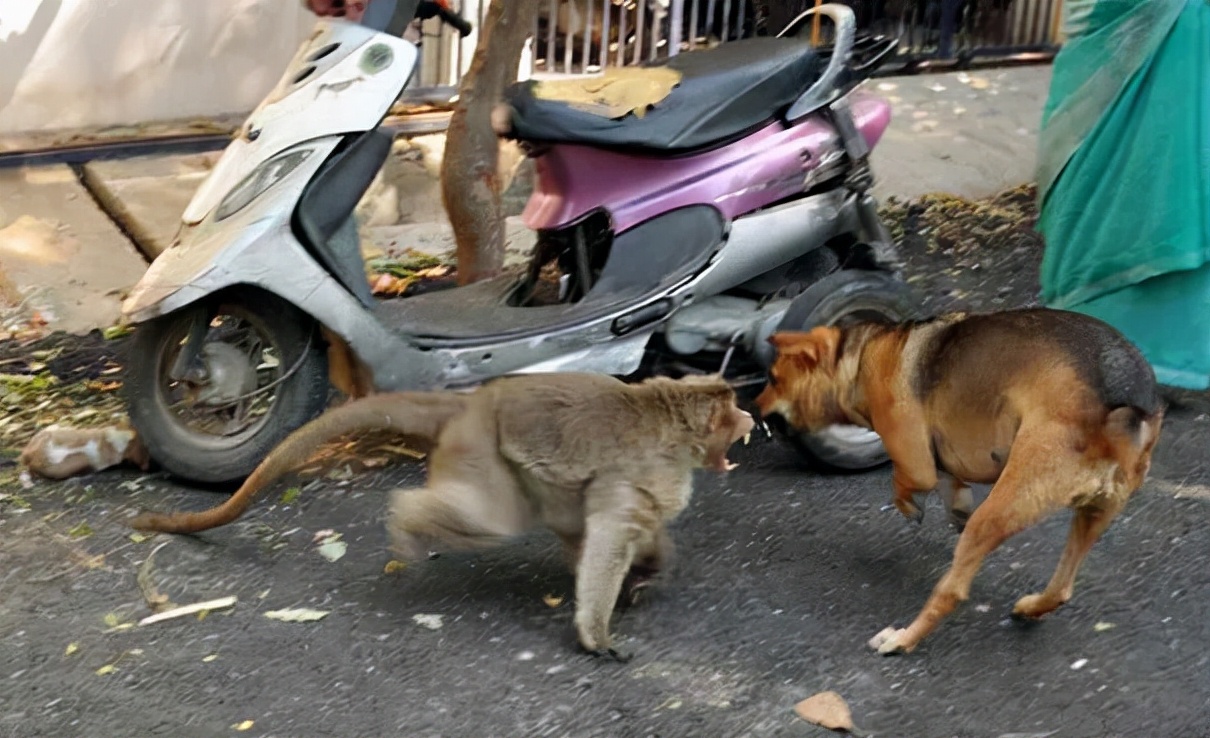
[{"x": 826, "y": 87}]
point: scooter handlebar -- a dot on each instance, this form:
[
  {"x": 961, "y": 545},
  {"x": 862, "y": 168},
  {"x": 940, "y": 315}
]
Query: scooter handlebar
[
  {"x": 842, "y": 48},
  {"x": 448, "y": 16}
]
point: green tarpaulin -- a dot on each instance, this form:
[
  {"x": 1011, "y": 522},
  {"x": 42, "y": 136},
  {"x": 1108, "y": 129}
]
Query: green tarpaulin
[{"x": 1124, "y": 177}]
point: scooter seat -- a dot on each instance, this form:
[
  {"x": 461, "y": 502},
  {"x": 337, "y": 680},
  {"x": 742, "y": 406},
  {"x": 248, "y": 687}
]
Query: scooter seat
[{"x": 724, "y": 93}]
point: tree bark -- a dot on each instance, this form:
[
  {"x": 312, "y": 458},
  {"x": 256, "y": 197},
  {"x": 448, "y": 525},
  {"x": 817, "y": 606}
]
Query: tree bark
[{"x": 470, "y": 179}]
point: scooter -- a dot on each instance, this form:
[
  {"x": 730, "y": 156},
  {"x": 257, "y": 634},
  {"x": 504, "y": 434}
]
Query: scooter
[{"x": 681, "y": 239}]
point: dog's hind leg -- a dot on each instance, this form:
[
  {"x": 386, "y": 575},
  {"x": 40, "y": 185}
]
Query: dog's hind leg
[
  {"x": 1087, "y": 525},
  {"x": 959, "y": 502},
  {"x": 1132, "y": 441},
  {"x": 1022, "y": 496}
]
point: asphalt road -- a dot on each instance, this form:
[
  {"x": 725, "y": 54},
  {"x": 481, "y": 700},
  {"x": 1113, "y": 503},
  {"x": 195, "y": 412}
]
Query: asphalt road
[{"x": 781, "y": 577}]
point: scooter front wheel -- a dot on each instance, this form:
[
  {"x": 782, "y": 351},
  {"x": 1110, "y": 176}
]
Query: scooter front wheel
[{"x": 213, "y": 388}]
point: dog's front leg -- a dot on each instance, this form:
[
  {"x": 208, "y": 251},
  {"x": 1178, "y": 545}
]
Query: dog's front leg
[
  {"x": 914, "y": 475},
  {"x": 912, "y": 486},
  {"x": 958, "y": 501},
  {"x": 905, "y": 437}
]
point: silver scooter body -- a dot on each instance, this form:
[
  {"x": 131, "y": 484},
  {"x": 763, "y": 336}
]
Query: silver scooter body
[{"x": 343, "y": 81}]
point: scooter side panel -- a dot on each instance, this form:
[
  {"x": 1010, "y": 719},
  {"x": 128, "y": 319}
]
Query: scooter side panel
[
  {"x": 769, "y": 165},
  {"x": 350, "y": 89}
]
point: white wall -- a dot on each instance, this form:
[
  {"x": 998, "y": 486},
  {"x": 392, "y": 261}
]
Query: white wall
[{"x": 80, "y": 63}]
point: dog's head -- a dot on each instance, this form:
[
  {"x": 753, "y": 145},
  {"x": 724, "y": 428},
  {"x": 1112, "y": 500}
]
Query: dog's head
[{"x": 803, "y": 387}]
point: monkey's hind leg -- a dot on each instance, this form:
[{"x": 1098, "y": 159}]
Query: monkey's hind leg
[
  {"x": 453, "y": 516},
  {"x": 652, "y": 555}
]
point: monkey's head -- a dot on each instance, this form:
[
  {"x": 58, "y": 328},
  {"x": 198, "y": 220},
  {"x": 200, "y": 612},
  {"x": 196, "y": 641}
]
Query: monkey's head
[
  {"x": 716, "y": 422},
  {"x": 803, "y": 387}
]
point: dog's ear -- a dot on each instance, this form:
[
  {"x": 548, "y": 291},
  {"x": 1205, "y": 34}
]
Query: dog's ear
[{"x": 809, "y": 348}]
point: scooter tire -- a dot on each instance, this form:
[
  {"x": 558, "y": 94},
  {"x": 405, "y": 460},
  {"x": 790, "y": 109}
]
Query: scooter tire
[
  {"x": 837, "y": 299},
  {"x": 211, "y": 459}
]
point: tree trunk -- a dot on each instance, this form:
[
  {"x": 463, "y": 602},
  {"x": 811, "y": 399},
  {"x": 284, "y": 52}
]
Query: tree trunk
[{"x": 470, "y": 179}]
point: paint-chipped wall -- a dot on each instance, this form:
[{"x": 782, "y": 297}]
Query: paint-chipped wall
[{"x": 84, "y": 63}]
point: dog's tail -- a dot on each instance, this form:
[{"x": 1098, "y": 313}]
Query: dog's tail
[
  {"x": 1132, "y": 434},
  {"x": 417, "y": 416}
]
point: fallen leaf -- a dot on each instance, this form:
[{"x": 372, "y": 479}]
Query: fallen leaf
[
  {"x": 1078, "y": 664},
  {"x": 112, "y": 620},
  {"x": 247, "y": 724},
  {"x": 432, "y": 622},
  {"x": 827, "y": 709},
  {"x": 553, "y": 600},
  {"x": 441, "y": 270},
  {"x": 333, "y": 549},
  {"x": 297, "y": 615},
  {"x": 83, "y": 530},
  {"x": 137, "y": 537},
  {"x": 106, "y": 669},
  {"x": 115, "y": 331},
  {"x": 1101, "y": 627},
  {"x": 290, "y": 495},
  {"x": 208, "y": 659},
  {"x": 393, "y": 566},
  {"x": 71, "y": 648}
]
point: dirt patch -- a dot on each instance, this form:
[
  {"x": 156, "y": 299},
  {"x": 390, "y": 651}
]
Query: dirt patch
[{"x": 970, "y": 254}]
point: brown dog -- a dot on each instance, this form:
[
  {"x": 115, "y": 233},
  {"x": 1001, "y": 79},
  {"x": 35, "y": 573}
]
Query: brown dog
[{"x": 1056, "y": 408}]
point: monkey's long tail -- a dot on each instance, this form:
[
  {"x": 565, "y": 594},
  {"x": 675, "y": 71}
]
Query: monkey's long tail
[{"x": 417, "y": 416}]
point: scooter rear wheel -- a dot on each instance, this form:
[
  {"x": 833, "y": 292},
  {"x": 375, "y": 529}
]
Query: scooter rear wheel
[
  {"x": 843, "y": 298},
  {"x": 260, "y": 374}
]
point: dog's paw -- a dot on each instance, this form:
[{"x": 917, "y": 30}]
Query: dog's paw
[
  {"x": 890, "y": 641},
  {"x": 910, "y": 509},
  {"x": 958, "y": 520},
  {"x": 1033, "y": 607}
]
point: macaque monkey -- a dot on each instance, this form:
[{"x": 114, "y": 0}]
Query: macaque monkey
[{"x": 603, "y": 464}]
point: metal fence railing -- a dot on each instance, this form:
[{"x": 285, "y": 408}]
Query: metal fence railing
[{"x": 586, "y": 36}]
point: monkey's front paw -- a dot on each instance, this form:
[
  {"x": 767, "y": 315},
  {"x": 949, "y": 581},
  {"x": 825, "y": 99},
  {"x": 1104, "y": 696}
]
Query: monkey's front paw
[
  {"x": 619, "y": 656},
  {"x": 890, "y": 641}
]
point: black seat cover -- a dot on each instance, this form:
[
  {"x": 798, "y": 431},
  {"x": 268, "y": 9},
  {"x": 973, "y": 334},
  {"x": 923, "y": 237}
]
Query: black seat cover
[
  {"x": 683, "y": 241},
  {"x": 724, "y": 92}
]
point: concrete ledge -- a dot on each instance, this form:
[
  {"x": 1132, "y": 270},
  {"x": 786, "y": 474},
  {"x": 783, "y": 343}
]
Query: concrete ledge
[
  {"x": 146, "y": 195},
  {"x": 65, "y": 257}
]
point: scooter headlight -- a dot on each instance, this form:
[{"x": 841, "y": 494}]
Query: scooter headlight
[{"x": 259, "y": 180}]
